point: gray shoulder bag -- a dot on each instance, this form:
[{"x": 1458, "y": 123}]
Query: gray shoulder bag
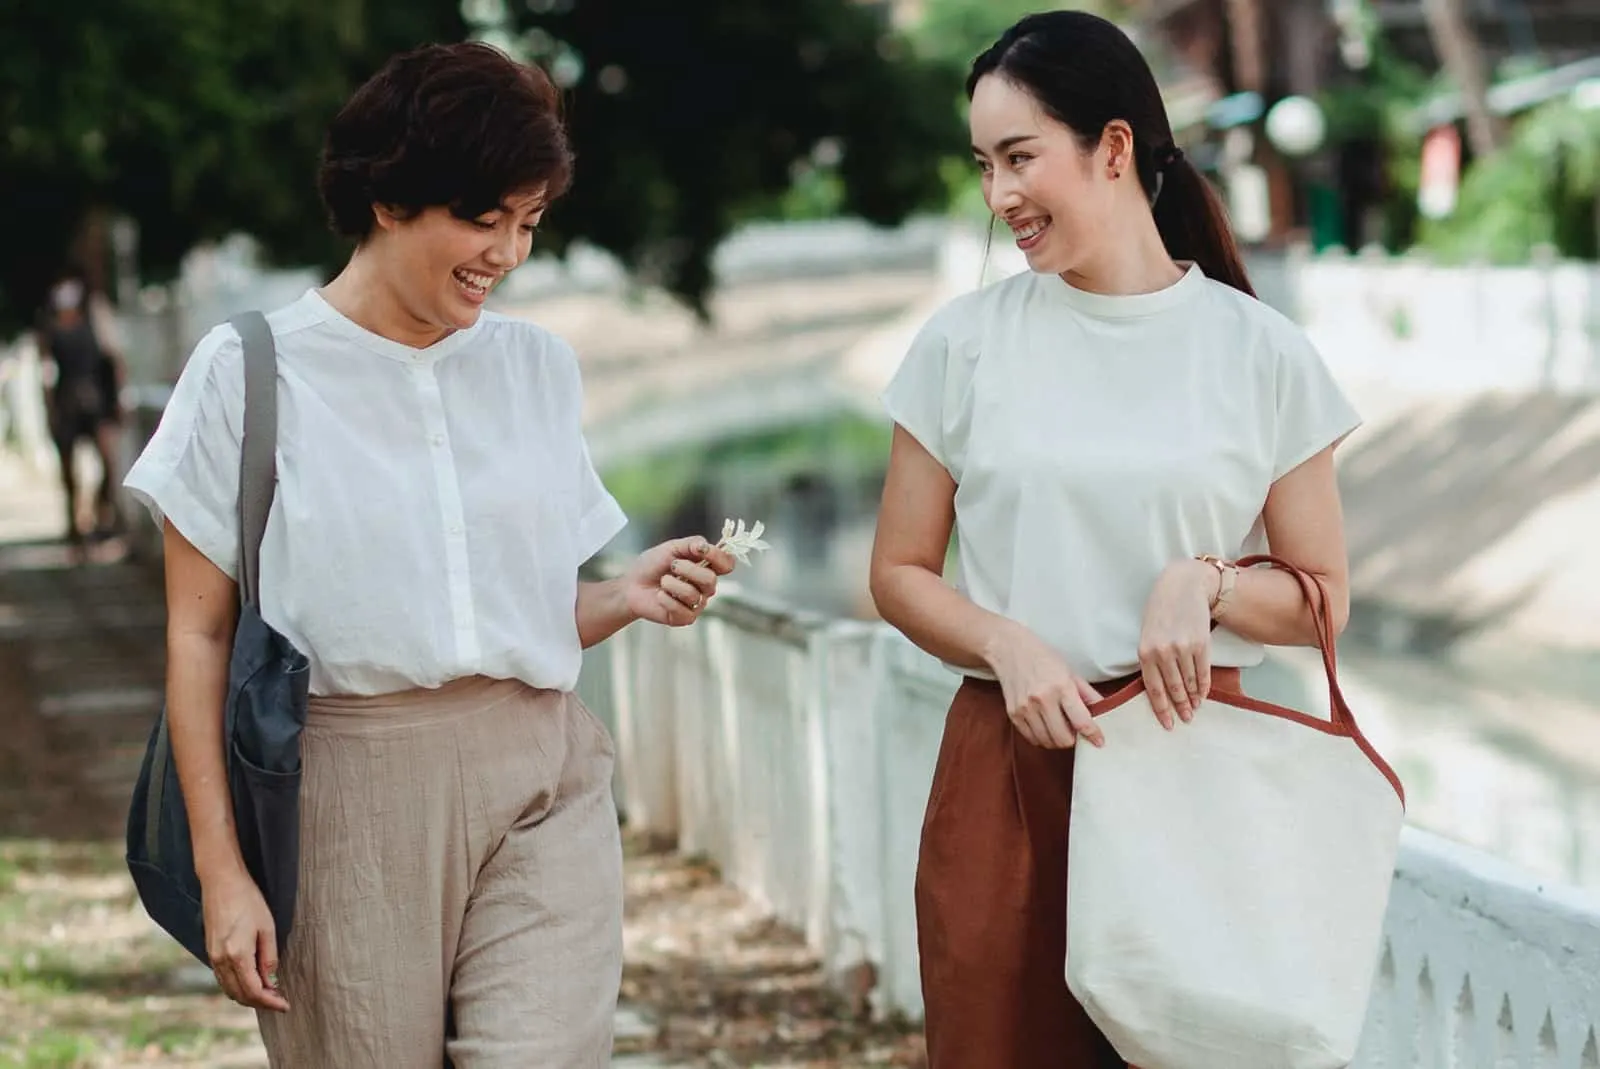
[{"x": 263, "y": 716}]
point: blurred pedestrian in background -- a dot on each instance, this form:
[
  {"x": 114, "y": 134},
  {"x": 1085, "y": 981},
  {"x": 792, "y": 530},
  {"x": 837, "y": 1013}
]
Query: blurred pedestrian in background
[{"x": 82, "y": 400}]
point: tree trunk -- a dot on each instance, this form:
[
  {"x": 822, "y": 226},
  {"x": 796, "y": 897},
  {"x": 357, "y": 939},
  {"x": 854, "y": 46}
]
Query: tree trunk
[
  {"x": 1245, "y": 33},
  {"x": 1458, "y": 51}
]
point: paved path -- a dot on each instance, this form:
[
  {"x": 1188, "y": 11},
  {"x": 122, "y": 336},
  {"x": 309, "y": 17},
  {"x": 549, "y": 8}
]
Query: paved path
[{"x": 81, "y": 665}]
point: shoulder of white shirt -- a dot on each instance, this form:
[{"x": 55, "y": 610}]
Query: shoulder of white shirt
[
  {"x": 307, "y": 312},
  {"x": 958, "y": 317},
  {"x": 527, "y": 331},
  {"x": 1283, "y": 336}
]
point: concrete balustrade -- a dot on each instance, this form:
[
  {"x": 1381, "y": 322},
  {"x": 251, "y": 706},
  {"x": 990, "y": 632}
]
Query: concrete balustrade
[{"x": 796, "y": 752}]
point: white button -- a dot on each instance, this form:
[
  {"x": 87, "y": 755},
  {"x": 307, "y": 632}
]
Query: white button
[
  {"x": 455, "y": 528},
  {"x": 438, "y": 439}
]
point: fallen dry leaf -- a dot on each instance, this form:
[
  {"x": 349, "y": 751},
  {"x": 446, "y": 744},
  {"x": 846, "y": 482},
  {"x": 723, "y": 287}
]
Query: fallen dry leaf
[{"x": 728, "y": 986}]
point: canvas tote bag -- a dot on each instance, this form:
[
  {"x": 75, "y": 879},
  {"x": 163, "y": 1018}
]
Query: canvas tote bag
[{"x": 1228, "y": 880}]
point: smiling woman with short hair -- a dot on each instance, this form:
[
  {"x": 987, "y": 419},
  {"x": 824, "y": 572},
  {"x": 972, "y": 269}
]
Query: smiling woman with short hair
[{"x": 459, "y": 894}]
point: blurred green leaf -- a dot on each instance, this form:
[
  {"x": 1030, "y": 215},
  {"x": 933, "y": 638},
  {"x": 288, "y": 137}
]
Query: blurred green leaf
[{"x": 1542, "y": 189}]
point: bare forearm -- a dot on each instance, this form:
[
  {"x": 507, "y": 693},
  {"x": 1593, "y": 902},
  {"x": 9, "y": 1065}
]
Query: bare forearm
[
  {"x": 1268, "y": 606},
  {"x": 197, "y": 682},
  {"x": 938, "y": 618},
  {"x": 602, "y": 611}
]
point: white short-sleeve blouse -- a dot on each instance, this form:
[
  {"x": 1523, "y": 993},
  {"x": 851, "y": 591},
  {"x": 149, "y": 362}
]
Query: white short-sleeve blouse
[
  {"x": 433, "y": 505},
  {"x": 1096, "y": 439}
]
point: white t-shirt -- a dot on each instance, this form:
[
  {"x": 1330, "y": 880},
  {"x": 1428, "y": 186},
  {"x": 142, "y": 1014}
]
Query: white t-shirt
[
  {"x": 433, "y": 505},
  {"x": 1096, "y": 439}
]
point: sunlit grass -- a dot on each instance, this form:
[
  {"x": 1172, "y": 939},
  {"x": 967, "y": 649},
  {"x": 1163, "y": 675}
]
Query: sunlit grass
[{"x": 87, "y": 981}]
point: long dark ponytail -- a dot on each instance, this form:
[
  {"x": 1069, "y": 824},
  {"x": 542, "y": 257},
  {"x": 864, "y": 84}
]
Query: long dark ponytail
[{"x": 1085, "y": 73}]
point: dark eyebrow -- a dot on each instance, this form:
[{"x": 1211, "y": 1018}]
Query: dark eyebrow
[
  {"x": 1007, "y": 143},
  {"x": 507, "y": 208}
]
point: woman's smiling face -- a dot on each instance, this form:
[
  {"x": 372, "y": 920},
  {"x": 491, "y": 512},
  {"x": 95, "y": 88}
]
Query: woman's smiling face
[
  {"x": 442, "y": 268},
  {"x": 1039, "y": 179}
]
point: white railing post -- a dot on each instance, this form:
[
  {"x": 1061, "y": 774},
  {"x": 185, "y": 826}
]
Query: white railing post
[
  {"x": 1483, "y": 966},
  {"x": 850, "y": 784}
]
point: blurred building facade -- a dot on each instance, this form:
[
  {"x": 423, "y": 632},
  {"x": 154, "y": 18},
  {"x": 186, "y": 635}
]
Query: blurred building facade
[
  {"x": 1225, "y": 64},
  {"x": 1560, "y": 30}
]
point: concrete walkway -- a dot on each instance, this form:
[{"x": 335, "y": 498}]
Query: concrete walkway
[{"x": 81, "y": 667}]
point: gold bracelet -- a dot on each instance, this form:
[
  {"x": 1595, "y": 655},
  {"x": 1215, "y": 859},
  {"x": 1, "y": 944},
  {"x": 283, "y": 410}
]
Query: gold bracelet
[{"x": 1229, "y": 573}]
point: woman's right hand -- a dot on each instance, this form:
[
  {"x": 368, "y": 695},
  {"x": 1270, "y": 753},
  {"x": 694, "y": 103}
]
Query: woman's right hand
[
  {"x": 1046, "y": 700},
  {"x": 242, "y": 941}
]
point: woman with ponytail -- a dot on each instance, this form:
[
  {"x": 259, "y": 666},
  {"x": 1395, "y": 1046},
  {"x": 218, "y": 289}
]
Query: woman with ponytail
[{"x": 1106, "y": 434}]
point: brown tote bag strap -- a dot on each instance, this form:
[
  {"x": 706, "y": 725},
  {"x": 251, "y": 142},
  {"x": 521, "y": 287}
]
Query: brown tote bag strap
[{"x": 1317, "y": 598}]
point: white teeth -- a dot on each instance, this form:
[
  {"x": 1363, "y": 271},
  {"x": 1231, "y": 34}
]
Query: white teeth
[
  {"x": 473, "y": 281},
  {"x": 1029, "y": 230}
]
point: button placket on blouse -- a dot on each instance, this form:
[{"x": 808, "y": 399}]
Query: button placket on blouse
[{"x": 452, "y": 513}]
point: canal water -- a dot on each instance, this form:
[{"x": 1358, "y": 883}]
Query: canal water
[{"x": 1489, "y": 760}]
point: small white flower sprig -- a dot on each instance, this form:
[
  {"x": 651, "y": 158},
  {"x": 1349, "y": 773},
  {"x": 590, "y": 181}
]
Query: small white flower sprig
[{"x": 739, "y": 542}]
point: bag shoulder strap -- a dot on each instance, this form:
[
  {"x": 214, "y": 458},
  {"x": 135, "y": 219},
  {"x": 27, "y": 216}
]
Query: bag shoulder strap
[
  {"x": 1319, "y": 602},
  {"x": 258, "y": 462}
]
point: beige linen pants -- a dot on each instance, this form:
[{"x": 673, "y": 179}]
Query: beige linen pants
[{"x": 460, "y": 885}]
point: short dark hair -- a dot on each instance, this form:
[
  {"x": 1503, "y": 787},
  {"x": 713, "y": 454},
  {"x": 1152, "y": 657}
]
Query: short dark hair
[
  {"x": 460, "y": 126},
  {"x": 1085, "y": 72}
]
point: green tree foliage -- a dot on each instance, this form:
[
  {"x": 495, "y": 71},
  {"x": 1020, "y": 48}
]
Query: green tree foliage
[
  {"x": 1542, "y": 189},
  {"x": 197, "y": 118},
  {"x": 950, "y": 35},
  {"x": 194, "y": 118},
  {"x": 1378, "y": 105},
  {"x": 953, "y": 32},
  {"x": 688, "y": 118}
]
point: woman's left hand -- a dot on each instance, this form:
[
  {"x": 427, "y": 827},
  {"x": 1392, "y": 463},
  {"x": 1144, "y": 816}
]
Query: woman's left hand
[
  {"x": 671, "y": 583},
  {"x": 1175, "y": 641}
]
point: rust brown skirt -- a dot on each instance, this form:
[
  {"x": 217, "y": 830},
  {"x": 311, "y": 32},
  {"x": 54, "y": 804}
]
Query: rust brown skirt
[{"x": 991, "y": 898}]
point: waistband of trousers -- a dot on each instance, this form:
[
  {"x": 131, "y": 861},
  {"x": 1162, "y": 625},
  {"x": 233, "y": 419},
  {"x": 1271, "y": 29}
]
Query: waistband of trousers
[{"x": 420, "y": 706}]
